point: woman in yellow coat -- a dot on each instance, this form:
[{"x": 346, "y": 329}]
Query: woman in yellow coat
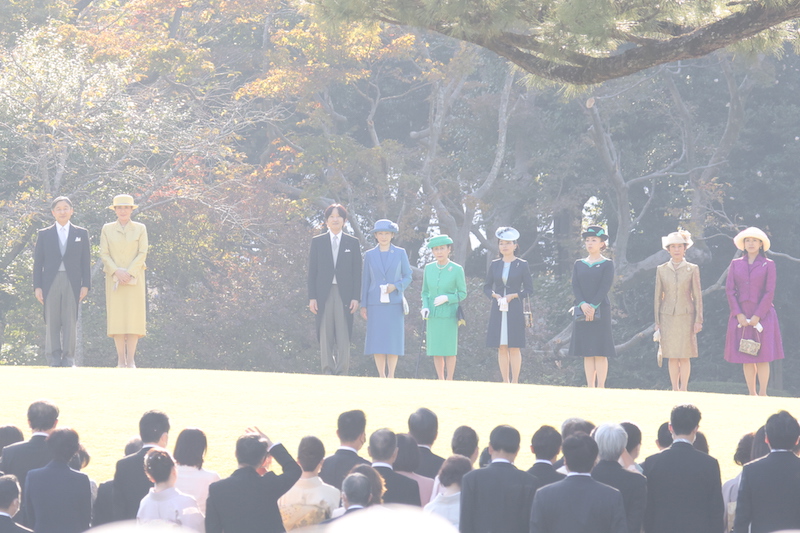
[
  {"x": 123, "y": 249},
  {"x": 678, "y": 308}
]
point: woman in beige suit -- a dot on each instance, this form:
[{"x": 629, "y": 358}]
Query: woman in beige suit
[
  {"x": 123, "y": 249},
  {"x": 678, "y": 308}
]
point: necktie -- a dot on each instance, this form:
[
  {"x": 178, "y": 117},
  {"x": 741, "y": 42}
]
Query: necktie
[
  {"x": 335, "y": 249},
  {"x": 62, "y": 239}
]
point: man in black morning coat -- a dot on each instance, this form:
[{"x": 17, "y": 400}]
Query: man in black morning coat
[
  {"x": 769, "y": 490},
  {"x": 383, "y": 450},
  {"x": 247, "y": 502},
  {"x": 351, "y": 428},
  {"x": 684, "y": 492},
  {"x": 130, "y": 481},
  {"x": 545, "y": 445},
  {"x": 423, "y": 425},
  {"x": 334, "y": 289},
  {"x": 497, "y": 498}
]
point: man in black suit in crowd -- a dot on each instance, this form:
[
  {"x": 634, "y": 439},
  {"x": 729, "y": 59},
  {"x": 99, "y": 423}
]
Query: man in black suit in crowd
[
  {"x": 246, "y": 502},
  {"x": 20, "y": 458},
  {"x": 103, "y": 507},
  {"x": 578, "y": 503},
  {"x": 684, "y": 492},
  {"x": 356, "y": 493},
  {"x": 130, "y": 481},
  {"x": 611, "y": 440},
  {"x": 423, "y": 425},
  {"x": 334, "y": 289},
  {"x": 57, "y": 498},
  {"x": 62, "y": 276},
  {"x": 572, "y": 426},
  {"x": 545, "y": 445},
  {"x": 9, "y": 505},
  {"x": 769, "y": 487},
  {"x": 663, "y": 441},
  {"x": 383, "y": 450},
  {"x": 351, "y": 430},
  {"x": 497, "y": 499}
]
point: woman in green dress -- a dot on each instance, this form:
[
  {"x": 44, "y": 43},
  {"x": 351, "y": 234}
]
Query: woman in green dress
[{"x": 443, "y": 287}]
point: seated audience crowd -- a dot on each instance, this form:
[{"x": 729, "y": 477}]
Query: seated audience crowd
[{"x": 585, "y": 479}]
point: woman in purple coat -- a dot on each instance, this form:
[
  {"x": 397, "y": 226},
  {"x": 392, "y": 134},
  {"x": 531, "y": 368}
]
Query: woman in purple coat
[{"x": 751, "y": 288}]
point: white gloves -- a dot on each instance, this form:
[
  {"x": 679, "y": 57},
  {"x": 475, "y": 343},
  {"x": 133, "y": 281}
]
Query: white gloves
[
  {"x": 425, "y": 312},
  {"x": 439, "y": 300},
  {"x": 502, "y": 304}
]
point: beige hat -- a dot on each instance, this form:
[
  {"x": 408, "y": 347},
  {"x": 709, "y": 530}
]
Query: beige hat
[
  {"x": 677, "y": 237},
  {"x": 123, "y": 200},
  {"x": 751, "y": 232}
]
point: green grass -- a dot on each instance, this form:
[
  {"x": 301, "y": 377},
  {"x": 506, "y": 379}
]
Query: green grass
[{"x": 104, "y": 406}]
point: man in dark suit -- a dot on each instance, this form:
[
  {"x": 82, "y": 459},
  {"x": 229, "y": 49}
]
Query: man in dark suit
[
  {"x": 611, "y": 441},
  {"x": 663, "y": 441},
  {"x": 57, "y": 498},
  {"x": 578, "y": 503},
  {"x": 684, "y": 492},
  {"x": 334, "y": 289},
  {"x": 20, "y": 458},
  {"x": 769, "y": 486},
  {"x": 356, "y": 494},
  {"x": 383, "y": 450},
  {"x": 246, "y": 502},
  {"x": 497, "y": 499},
  {"x": 130, "y": 481},
  {"x": 423, "y": 425},
  {"x": 545, "y": 445},
  {"x": 9, "y": 505},
  {"x": 351, "y": 430},
  {"x": 103, "y": 507},
  {"x": 61, "y": 279}
]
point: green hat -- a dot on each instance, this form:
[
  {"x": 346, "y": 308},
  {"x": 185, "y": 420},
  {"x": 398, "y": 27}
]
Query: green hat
[{"x": 439, "y": 240}]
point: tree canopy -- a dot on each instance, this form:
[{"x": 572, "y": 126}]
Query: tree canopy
[{"x": 584, "y": 42}]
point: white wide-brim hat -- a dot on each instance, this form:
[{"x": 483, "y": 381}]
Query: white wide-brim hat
[
  {"x": 677, "y": 237},
  {"x": 507, "y": 233},
  {"x": 751, "y": 232}
]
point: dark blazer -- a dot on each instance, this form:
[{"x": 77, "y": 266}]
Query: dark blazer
[
  {"x": 768, "y": 494},
  {"x": 321, "y": 271},
  {"x": 429, "y": 463},
  {"x": 399, "y": 488},
  {"x": 336, "y": 467},
  {"x": 578, "y": 504},
  {"x": 7, "y": 525},
  {"x": 248, "y": 503},
  {"x": 497, "y": 499},
  {"x": 58, "y": 499},
  {"x": 77, "y": 261},
  {"x": 545, "y": 473},
  {"x": 519, "y": 282},
  {"x": 684, "y": 492},
  {"x": 22, "y": 457},
  {"x": 632, "y": 486},
  {"x": 103, "y": 508},
  {"x": 130, "y": 485}
]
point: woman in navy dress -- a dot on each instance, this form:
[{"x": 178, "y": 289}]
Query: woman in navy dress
[
  {"x": 508, "y": 280},
  {"x": 385, "y": 276},
  {"x": 751, "y": 288},
  {"x": 592, "y": 278}
]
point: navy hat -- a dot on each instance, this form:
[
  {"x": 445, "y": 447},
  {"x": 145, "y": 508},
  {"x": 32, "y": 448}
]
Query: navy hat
[
  {"x": 385, "y": 224},
  {"x": 506, "y": 233},
  {"x": 595, "y": 231}
]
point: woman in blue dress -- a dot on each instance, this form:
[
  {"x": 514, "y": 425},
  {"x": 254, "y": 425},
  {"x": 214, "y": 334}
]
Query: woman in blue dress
[
  {"x": 592, "y": 278},
  {"x": 508, "y": 281},
  {"x": 385, "y": 276}
]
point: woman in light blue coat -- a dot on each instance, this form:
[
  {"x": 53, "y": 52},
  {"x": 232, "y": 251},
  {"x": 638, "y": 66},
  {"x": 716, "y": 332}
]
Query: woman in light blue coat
[{"x": 386, "y": 274}]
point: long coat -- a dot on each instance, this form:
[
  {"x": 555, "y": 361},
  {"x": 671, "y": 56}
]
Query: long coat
[
  {"x": 347, "y": 271},
  {"x": 519, "y": 282},
  {"x": 77, "y": 260},
  {"x": 385, "y": 321},
  {"x": 678, "y": 307}
]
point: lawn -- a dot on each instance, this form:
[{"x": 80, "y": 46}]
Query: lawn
[{"x": 104, "y": 406}]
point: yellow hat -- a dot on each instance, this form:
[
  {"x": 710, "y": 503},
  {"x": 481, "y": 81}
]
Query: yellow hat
[
  {"x": 754, "y": 233},
  {"x": 123, "y": 200}
]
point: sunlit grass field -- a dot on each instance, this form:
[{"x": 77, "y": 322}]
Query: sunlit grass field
[{"x": 104, "y": 406}]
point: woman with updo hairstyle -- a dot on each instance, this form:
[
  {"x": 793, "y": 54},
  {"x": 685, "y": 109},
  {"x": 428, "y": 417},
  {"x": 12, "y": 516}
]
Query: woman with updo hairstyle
[
  {"x": 750, "y": 288},
  {"x": 678, "y": 308},
  {"x": 592, "y": 278},
  {"x": 508, "y": 282},
  {"x": 165, "y": 503},
  {"x": 448, "y": 503},
  {"x": 730, "y": 489},
  {"x": 193, "y": 479}
]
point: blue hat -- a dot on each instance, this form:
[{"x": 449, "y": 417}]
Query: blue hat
[
  {"x": 506, "y": 234},
  {"x": 595, "y": 231},
  {"x": 439, "y": 240},
  {"x": 385, "y": 224}
]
